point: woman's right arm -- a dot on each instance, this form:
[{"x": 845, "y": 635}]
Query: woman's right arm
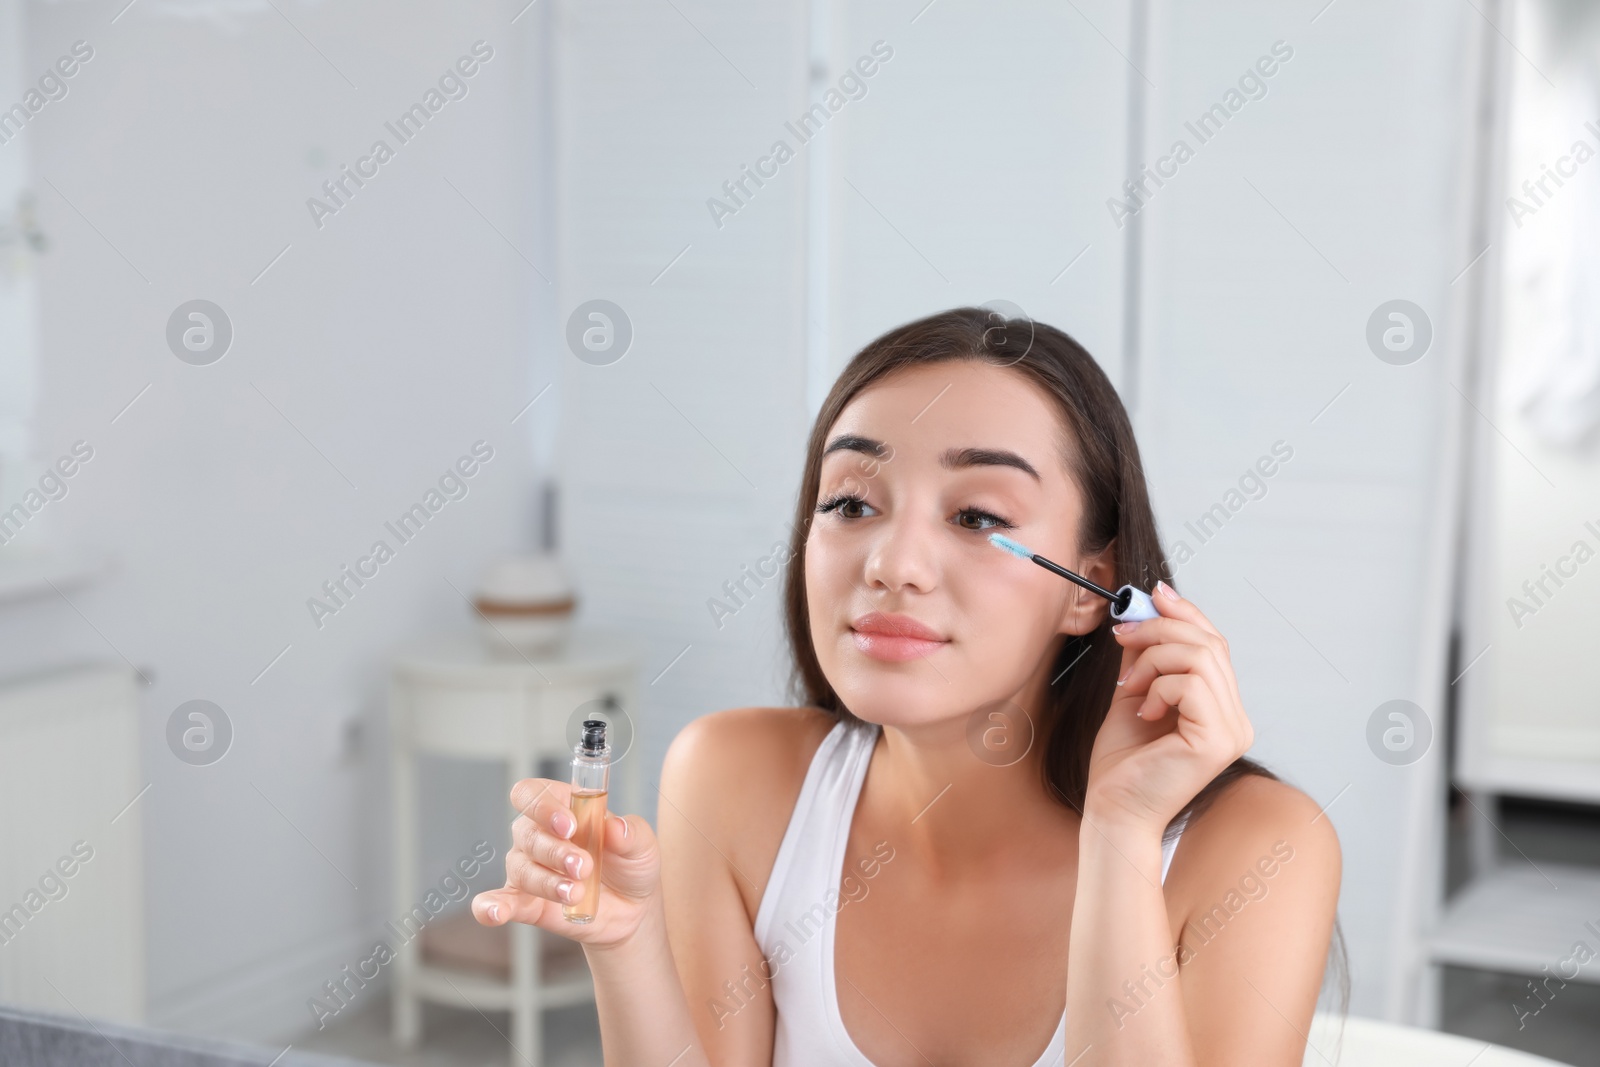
[
  {"x": 644, "y": 953},
  {"x": 716, "y": 783}
]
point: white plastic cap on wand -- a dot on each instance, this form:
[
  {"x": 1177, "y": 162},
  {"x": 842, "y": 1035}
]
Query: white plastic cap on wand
[{"x": 1139, "y": 606}]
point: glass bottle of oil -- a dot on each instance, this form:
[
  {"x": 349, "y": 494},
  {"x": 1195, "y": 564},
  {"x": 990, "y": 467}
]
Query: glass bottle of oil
[{"x": 591, "y": 773}]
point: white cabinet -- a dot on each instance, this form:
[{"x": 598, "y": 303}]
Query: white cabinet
[{"x": 72, "y": 930}]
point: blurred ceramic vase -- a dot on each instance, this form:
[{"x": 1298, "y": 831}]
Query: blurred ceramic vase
[{"x": 525, "y": 602}]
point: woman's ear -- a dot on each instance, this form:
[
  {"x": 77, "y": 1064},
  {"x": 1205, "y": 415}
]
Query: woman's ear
[{"x": 1086, "y": 611}]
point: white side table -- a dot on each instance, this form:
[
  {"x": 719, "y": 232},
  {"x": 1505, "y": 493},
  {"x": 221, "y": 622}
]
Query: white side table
[{"x": 451, "y": 696}]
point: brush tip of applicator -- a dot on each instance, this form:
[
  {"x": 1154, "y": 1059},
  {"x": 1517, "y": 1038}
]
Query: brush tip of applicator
[{"x": 1016, "y": 548}]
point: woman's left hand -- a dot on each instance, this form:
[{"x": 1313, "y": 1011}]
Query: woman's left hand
[{"x": 1175, "y": 719}]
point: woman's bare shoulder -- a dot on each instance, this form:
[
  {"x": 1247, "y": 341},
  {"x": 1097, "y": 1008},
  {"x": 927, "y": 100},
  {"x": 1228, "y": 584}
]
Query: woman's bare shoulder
[
  {"x": 734, "y": 776},
  {"x": 1256, "y": 824},
  {"x": 755, "y": 723},
  {"x": 751, "y": 742}
]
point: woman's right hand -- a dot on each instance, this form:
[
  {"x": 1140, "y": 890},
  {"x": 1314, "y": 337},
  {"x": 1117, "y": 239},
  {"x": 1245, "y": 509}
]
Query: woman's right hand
[{"x": 537, "y": 868}]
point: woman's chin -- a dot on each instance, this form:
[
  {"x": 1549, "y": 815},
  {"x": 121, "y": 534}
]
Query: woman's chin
[{"x": 898, "y": 701}]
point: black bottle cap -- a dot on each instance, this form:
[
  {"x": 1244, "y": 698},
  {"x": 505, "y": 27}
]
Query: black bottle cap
[{"x": 594, "y": 736}]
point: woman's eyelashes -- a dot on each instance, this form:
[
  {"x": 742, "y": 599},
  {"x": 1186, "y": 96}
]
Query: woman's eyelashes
[
  {"x": 986, "y": 516},
  {"x": 844, "y": 502}
]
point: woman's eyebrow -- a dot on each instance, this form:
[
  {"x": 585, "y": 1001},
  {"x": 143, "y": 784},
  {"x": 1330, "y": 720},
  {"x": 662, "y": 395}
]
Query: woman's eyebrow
[
  {"x": 854, "y": 442},
  {"x": 957, "y": 458}
]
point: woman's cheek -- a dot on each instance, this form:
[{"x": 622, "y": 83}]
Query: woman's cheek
[
  {"x": 830, "y": 557},
  {"x": 826, "y": 581},
  {"x": 818, "y": 567},
  {"x": 1013, "y": 617}
]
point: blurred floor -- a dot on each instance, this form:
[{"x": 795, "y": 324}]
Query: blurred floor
[
  {"x": 1481, "y": 1004},
  {"x": 456, "y": 1038}
]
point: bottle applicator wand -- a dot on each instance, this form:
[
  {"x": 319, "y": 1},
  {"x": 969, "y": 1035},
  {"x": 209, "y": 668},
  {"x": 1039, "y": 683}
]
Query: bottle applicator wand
[{"x": 1127, "y": 604}]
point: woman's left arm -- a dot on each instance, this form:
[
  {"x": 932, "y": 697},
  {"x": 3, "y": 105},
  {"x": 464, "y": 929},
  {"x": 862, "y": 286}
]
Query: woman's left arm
[{"x": 1261, "y": 869}]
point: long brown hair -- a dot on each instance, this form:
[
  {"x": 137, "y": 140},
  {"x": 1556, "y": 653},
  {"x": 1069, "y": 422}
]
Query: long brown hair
[{"x": 1105, "y": 463}]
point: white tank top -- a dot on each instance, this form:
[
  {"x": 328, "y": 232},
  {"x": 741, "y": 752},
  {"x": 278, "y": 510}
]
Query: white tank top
[{"x": 795, "y": 923}]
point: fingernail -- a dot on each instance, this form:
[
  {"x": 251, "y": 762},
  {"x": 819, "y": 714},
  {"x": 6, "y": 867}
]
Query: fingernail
[
  {"x": 565, "y": 824},
  {"x": 1140, "y": 713},
  {"x": 494, "y": 912},
  {"x": 1124, "y": 627},
  {"x": 624, "y": 823},
  {"x": 564, "y": 891},
  {"x": 572, "y": 865},
  {"x": 1167, "y": 591},
  {"x": 1124, "y": 677}
]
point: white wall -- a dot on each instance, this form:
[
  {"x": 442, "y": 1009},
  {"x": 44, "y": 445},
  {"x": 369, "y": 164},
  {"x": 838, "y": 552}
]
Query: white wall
[
  {"x": 392, "y": 338},
  {"x": 1252, "y": 329},
  {"x": 996, "y": 135},
  {"x": 681, "y": 459},
  {"x": 18, "y": 289}
]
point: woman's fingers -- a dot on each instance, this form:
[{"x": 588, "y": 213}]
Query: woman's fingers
[
  {"x": 628, "y": 836},
  {"x": 496, "y": 907},
  {"x": 1177, "y": 660},
  {"x": 1135, "y": 637},
  {"x": 533, "y": 894},
  {"x": 543, "y": 864},
  {"x": 1183, "y": 691},
  {"x": 543, "y": 868},
  {"x": 1197, "y": 703},
  {"x": 1180, "y": 621},
  {"x": 1173, "y": 606},
  {"x": 546, "y": 869},
  {"x": 547, "y": 803},
  {"x": 528, "y": 874},
  {"x": 1159, "y": 660},
  {"x": 1143, "y": 634},
  {"x": 554, "y": 852}
]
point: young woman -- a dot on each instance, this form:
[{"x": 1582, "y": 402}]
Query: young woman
[{"x": 962, "y": 847}]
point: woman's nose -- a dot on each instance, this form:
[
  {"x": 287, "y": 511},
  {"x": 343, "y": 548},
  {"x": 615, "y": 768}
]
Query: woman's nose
[{"x": 904, "y": 553}]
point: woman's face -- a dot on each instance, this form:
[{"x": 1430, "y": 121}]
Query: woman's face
[{"x": 917, "y": 471}]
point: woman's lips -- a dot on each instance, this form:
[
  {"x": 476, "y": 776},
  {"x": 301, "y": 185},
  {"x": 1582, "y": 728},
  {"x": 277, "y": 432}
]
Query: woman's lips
[{"x": 894, "y": 638}]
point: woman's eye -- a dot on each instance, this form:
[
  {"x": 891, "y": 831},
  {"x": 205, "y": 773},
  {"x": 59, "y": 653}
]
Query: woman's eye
[
  {"x": 981, "y": 516},
  {"x": 844, "y": 505}
]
